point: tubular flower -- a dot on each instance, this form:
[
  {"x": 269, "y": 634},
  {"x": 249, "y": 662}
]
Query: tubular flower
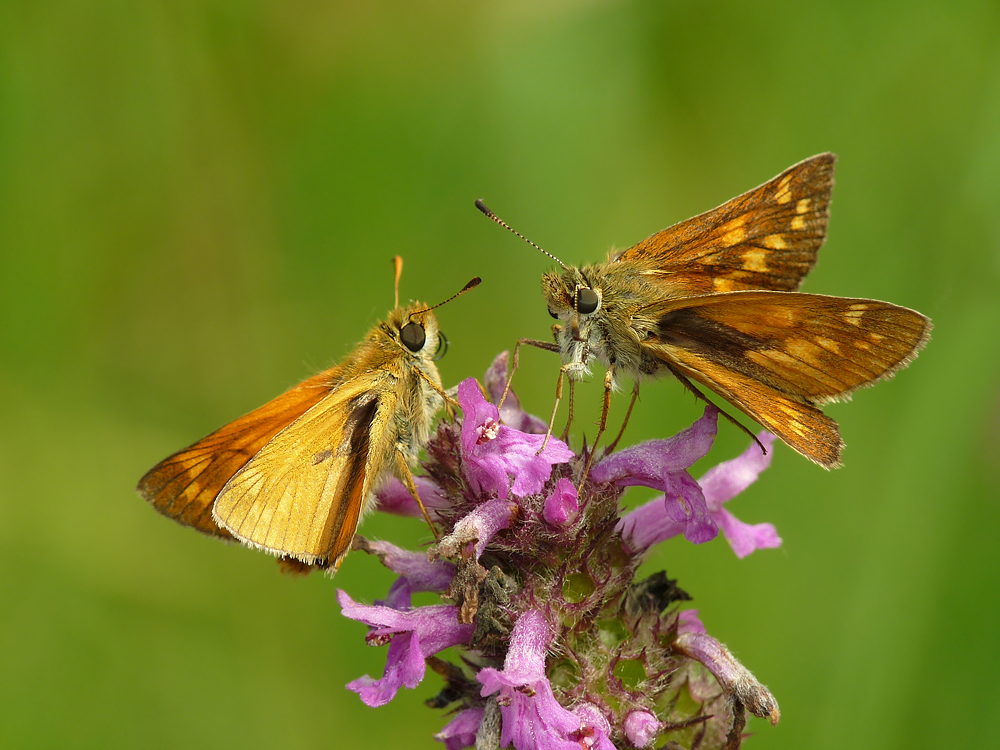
[{"x": 562, "y": 647}]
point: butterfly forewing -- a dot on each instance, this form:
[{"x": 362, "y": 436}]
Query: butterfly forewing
[
  {"x": 767, "y": 238},
  {"x": 776, "y": 355},
  {"x": 184, "y": 485},
  {"x": 302, "y": 495}
]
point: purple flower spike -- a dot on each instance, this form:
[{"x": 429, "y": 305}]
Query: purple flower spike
[
  {"x": 396, "y": 499},
  {"x": 532, "y": 717},
  {"x": 492, "y": 453},
  {"x": 663, "y": 465},
  {"x": 562, "y": 504},
  {"x": 735, "y": 679},
  {"x": 420, "y": 574},
  {"x": 641, "y": 727},
  {"x": 460, "y": 732},
  {"x": 536, "y": 567},
  {"x": 511, "y": 414},
  {"x": 724, "y": 482},
  {"x": 416, "y": 634}
]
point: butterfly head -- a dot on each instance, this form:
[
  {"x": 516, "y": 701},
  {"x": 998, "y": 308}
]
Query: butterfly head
[
  {"x": 577, "y": 303},
  {"x": 414, "y": 329}
]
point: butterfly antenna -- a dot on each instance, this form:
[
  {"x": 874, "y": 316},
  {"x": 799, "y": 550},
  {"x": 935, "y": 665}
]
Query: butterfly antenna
[
  {"x": 471, "y": 285},
  {"x": 397, "y": 263},
  {"x": 482, "y": 207}
]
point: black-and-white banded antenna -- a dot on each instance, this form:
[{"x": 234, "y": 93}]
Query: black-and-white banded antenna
[{"x": 482, "y": 207}]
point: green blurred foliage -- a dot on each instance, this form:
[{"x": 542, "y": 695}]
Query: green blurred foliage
[{"x": 198, "y": 204}]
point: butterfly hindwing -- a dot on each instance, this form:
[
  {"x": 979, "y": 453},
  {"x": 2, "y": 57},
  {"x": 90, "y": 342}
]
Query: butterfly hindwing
[{"x": 779, "y": 355}]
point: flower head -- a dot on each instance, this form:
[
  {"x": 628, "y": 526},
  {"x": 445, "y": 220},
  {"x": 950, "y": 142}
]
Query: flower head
[{"x": 563, "y": 647}]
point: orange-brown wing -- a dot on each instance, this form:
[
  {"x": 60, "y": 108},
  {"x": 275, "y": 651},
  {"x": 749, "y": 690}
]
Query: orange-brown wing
[
  {"x": 766, "y": 238},
  {"x": 303, "y": 494},
  {"x": 185, "y": 485},
  {"x": 779, "y": 355}
]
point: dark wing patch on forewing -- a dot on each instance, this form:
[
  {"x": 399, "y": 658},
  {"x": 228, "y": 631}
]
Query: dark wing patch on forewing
[
  {"x": 184, "y": 486},
  {"x": 767, "y": 238},
  {"x": 779, "y": 355},
  {"x": 287, "y": 502},
  {"x": 342, "y": 527}
]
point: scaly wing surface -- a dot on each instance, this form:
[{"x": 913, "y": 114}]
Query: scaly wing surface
[
  {"x": 777, "y": 356},
  {"x": 767, "y": 238},
  {"x": 184, "y": 486},
  {"x": 304, "y": 492}
]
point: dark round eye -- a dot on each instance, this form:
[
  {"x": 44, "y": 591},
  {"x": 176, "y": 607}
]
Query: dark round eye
[
  {"x": 553, "y": 313},
  {"x": 586, "y": 301},
  {"x": 413, "y": 337},
  {"x": 442, "y": 346}
]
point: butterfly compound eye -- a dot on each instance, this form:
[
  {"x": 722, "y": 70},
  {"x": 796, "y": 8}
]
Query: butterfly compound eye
[
  {"x": 587, "y": 301},
  {"x": 413, "y": 337}
]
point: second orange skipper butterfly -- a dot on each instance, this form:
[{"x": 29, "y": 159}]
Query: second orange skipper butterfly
[
  {"x": 713, "y": 300},
  {"x": 294, "y": 476}
]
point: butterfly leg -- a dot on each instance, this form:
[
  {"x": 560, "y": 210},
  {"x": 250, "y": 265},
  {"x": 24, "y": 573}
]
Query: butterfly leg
[
  {"x": 628, "y": 414},
  {"x": 609, "y": 379},
  {"x": 514, "y": 362},
  {"x": 449, "y": 402},
  {"x": 403, "y": 470},
  {"x": 569, "y": 417}
]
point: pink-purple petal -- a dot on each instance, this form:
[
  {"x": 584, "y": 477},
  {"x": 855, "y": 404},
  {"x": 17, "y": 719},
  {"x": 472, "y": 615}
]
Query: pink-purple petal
[
  {"x": 478, "y": 528},
  {"x": 422, "y": 574},
  {"x": 460, "y": 732},
  {"x": 744, "y": 538},
  {"x": 404, "y": 666},
  {"x": 641, "y": 727},
  {"x": 562, "y": 503},
  {"x": 651, "y": 461},
  {"x": 537, "y": 721},
  {"x": 493, "y": 453},
  {"x": 725, "y": 481},
  {"x": 594, "y": 728},
  {"x": 525, "y": 661},
  {"x": 415, "y": 633},
  {"x": 649, "y": 524},
  {"x": 396, "y": 499},
  {"x": 689, "y": 622}
]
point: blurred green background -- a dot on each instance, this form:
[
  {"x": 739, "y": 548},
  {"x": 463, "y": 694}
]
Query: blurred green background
[{"x": 198, "y": 204}]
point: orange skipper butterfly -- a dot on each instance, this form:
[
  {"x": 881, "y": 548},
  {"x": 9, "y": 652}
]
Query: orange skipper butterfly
[
  {"x": 712, "y": 300},
  {"x": 294, "y": 476}
]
